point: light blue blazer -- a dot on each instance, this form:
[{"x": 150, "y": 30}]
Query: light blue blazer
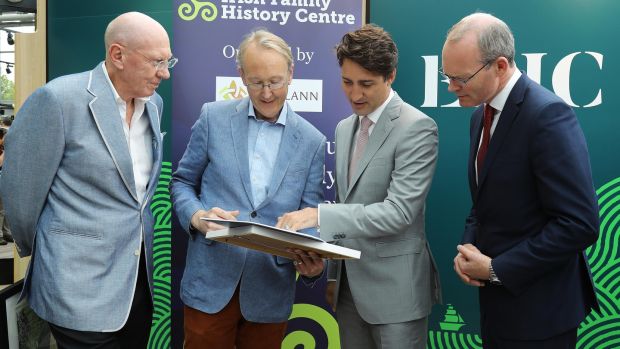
[
  {"x": 69, "y": 194},
  {"x": 214, "y": 171}
]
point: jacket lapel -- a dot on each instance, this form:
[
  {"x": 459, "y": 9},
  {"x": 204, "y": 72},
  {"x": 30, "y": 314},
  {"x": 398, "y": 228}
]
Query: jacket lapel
[
  {"x": 474, "y": 136},
  {"x": 379, "y": 134},
  {"x": 344, "y": 144},
  {"x": 239, "y": 132},
  {"x": 291, "y": 137},
  {"x": 507, "y": 117},
  {"x": 153, "y": 114},
  {"x": 108, "y": 121}
]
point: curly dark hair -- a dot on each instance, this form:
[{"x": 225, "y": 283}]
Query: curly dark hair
[{"x": 371, "y": 47}]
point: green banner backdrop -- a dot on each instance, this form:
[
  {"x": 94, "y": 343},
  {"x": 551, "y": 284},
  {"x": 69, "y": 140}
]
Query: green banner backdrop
[{"x": 569, "y": 46}]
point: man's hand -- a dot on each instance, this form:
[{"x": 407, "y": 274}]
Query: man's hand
[
  {"x": 471, "y": 265},
  {"x": 215, "y": 212},
  {"x": 297, "y": 220},
  {"x": 308, "y": 263},
  {"x": 330, "y": 294}
]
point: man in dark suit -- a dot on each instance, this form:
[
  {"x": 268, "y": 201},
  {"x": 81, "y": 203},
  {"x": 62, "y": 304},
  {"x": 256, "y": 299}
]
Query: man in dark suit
[{"x": 534, "y": 206}]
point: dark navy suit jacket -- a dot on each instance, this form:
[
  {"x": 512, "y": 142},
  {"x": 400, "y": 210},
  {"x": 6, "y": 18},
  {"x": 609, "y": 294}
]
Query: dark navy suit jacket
[{"x": 534, "y": 212}]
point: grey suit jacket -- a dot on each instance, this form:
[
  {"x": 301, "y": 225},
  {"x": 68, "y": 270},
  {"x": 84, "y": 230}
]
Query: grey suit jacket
[
  {"x": 70, "y": 199},
  {"x": 381, "y": 213}
]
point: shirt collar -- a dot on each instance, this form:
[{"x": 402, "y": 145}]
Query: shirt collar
[
  {"x": 117, "y": 97},
  {"x": 281, "y": 118},
  {"x": 375, "y": 114},
  {"x": 500, "y": 100}
]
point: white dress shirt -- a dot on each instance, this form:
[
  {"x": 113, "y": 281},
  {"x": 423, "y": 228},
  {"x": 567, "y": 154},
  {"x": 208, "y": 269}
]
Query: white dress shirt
[{"x": 139, "y": 138}]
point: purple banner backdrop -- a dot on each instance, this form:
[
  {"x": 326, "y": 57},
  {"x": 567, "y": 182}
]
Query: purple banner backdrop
[{"x": 206, "y": 35}]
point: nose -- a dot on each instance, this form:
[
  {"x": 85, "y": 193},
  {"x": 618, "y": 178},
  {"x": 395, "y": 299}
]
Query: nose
[
  {"x": 356, "y": 93},
  {"x": 266, "y": 91},
  {"x": 453, "y": 86},
  {"x": 163, "y": 74}
]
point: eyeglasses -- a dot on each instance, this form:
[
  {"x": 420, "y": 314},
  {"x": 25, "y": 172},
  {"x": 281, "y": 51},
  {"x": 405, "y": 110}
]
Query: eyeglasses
[
  {"x": 157, "y": 64},
  {"x": 462, "y": 81},
  {"x": 162, "y": 63},
  {"x": 258, "y": 86}
]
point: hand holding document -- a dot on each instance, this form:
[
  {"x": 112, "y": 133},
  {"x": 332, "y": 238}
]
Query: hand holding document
[{"x": 276, "y": 241}]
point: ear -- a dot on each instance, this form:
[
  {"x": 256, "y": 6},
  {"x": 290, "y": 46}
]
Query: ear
[
  {"x": 502, "y": 65},
  {"x": 290, "y": 74},
  {"x": 391, "y": 77},
  {"x": 115, "y": 53},
  {"x": 241, "y": 74}
]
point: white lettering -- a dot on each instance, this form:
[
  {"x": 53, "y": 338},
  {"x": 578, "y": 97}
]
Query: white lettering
[
  {"x": 229, "y": 51},
  {"x": 302, "y": 55}
]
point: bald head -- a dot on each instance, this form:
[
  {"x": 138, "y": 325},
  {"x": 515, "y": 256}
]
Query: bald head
[
  {"x": 493, "y": 36},
  {"x": 137, "y": 54},
  {"x": 135, "y": 30}
]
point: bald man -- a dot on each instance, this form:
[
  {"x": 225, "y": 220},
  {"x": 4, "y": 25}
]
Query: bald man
[{"x": 82, "y": 162}]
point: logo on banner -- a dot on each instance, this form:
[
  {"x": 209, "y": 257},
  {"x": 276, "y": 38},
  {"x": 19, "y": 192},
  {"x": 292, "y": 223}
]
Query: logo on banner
[
  {"x": 189, "y": 12},
  {"x": 277, "y": 11},
  {"x": 304, "y": 95}
]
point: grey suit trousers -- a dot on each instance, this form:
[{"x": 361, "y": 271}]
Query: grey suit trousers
[{"x": 355, "y": 333}]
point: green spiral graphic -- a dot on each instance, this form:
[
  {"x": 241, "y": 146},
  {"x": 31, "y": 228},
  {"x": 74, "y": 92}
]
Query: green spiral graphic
[
  {"x": 453, "y": 340},
  {"x": 161, "y": 208},
  {"x": 305, "y": 339},
  {"x": 601, "y": 329},
  {"x": 188, "y": 12}
]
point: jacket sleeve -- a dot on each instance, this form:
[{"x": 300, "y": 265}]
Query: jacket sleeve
[{"x": 34, "y": 148}]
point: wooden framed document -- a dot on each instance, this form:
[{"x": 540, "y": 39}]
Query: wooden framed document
[{"x": 272, "y": 240}]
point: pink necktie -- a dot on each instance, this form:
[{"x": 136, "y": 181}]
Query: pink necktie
[
  {"x": 360, "y": 145},
  {"x": 489, "y": 113}
]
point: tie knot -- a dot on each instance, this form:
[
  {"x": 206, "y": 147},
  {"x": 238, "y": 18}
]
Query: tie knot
[{"x": 366, "y": 122}]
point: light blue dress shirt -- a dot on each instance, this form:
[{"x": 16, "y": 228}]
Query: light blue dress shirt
[{"x": 263, "y": 145}]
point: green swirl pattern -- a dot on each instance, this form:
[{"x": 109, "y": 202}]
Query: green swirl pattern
[
  {"x": 161, "y": 207},
  {"x": 305, "y": 339},
  {"x": 188, "y": 12},
  {"x": 601, "y": 330},
  {"x": 444, "y": 339}
]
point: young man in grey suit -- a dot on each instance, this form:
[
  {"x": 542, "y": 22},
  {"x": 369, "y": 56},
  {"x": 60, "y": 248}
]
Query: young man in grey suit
[
  {"x": 81, "y": 166},
  {"x": 251, "y": 159},
  {"x": 385, "y": 160}
]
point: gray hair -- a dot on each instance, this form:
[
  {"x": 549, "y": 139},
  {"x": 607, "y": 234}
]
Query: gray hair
[
  {"x": 494, "y": 36},
  {"x": 265, "y": 39}
]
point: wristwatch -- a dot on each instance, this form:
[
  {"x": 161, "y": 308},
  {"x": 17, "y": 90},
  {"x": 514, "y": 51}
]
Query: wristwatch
[{"x": 493, "y": 279}]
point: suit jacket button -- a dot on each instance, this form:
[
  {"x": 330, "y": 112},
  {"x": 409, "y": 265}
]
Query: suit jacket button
[{"x": 253, "y": 214}]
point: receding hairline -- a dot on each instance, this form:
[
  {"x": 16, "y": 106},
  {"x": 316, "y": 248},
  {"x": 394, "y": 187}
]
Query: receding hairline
[
  {"x": 471, "y": 24},
  {"x": 131, "y": 28},
  {"x": 262, "y": 38}
]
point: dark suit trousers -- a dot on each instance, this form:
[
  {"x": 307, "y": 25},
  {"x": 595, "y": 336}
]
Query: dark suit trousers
[
  {"x": 227, "y": 329},
  {"x": 566, "y": 340},
  {"x": 135, "y": 333}
]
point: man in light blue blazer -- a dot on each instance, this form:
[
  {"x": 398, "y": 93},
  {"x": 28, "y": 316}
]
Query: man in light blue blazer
[
  {"x": 82, "y": 161},
  {"x": 251, "y": 159}
]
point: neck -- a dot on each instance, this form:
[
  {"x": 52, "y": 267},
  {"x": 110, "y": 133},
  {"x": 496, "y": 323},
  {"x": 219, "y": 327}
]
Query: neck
[{"x": 116, "y": 82}]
